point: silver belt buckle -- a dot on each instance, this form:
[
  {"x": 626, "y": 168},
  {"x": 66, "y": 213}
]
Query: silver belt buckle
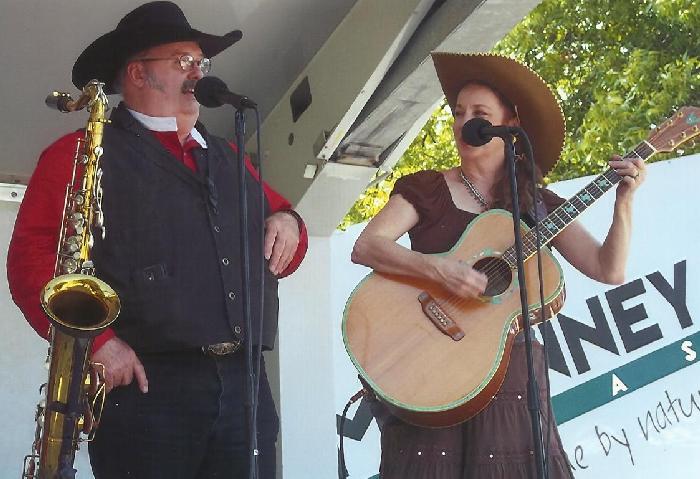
[{"x": 221, "y": 349}]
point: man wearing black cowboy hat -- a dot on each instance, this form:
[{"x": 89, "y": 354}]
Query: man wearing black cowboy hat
[{"x": 173, "y": 358}]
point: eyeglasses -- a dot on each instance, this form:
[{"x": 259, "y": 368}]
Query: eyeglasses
[{"x": 186, "y": 62}]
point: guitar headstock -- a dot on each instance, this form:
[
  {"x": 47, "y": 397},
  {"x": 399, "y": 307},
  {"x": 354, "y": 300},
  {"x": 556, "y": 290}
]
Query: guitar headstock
[{"x": 683, "y": 126}]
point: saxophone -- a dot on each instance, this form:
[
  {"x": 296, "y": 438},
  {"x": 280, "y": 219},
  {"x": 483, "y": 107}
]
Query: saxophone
[{"x": 79, "y": 306}]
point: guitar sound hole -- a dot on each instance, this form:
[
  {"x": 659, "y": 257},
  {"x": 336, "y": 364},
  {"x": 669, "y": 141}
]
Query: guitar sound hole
[{"x": 498, "y": 272}]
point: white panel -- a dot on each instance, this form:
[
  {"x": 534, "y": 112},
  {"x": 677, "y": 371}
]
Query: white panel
[
  {"x": 335, "y": 190},
  {"x": 306, "y": 368}
]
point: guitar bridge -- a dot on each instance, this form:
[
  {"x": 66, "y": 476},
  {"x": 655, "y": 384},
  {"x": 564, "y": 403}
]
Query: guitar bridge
[{"x": 439, "y": 317}]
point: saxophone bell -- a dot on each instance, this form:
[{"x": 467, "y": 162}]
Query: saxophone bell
[{"x": 80, "y": 303}]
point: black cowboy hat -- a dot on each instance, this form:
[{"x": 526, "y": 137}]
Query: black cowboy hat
[
  {"x": 536, "y": 104},
  {"x": 151, "y": 24}
]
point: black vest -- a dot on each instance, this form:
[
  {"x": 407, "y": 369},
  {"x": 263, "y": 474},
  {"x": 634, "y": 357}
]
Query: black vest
[{"x": 172, "y": 245}]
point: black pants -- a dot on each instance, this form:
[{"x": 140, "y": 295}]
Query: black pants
[{"x": 190, "y": 425}]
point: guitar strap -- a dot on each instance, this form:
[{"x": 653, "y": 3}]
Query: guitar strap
[{"x": 537, "y": 212}]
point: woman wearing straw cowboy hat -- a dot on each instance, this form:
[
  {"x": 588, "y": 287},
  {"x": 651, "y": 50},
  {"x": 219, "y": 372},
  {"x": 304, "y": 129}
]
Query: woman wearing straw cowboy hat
[
  {"x": 435, "y": 207},
  {"x": 174, "y": 359}
]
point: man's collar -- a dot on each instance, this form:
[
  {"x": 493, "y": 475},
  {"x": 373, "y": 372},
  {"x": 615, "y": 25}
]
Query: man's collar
[{"x": 165, "y": 123}]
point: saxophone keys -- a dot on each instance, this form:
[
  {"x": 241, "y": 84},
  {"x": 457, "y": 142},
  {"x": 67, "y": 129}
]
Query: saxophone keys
[
  {"x": 71, "y": 245},
  {"x": 70, "y": 265},
  {"x": 78, "y": 226}
]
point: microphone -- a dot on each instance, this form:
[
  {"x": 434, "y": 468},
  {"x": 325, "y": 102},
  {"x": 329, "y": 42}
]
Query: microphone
[
  {"x": 212, "y": 92},
  {"x": 477, "y": 131}
]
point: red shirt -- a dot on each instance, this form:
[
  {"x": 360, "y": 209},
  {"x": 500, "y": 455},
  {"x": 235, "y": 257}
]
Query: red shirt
[{"x": 31, "y": 257}]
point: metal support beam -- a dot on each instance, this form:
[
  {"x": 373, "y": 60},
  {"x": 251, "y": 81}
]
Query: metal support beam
[
  {"x": 411, "y": 87},
  {"x": 366, "y": 94},
  {"x": 313, "y": 117},
  {"x": 12, "y": 192}
]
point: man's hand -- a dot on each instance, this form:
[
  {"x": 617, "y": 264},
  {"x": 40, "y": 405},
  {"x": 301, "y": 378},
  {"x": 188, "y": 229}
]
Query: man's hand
[
  {"x": 281, "y": 240},
  {"x": 121, "y": 365}
]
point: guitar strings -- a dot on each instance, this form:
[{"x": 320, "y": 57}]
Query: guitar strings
[{"x": 498, "y": 270}]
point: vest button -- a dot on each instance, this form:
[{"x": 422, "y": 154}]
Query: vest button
[
  {"x": 225, "y": 261},
  {"x": 237, "y": 330},
  {"x": 217, "y": 229},
  {"x": 231, "y": 295}
]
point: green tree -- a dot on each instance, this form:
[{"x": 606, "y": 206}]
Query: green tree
[{"x": 619, "y": 68}]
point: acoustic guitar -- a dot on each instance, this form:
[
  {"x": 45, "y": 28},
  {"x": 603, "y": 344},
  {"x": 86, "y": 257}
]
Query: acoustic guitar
[{"x": 435, "y": 359}]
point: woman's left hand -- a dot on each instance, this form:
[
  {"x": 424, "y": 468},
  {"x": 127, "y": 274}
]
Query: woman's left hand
[{"x": 632, "y": 171}]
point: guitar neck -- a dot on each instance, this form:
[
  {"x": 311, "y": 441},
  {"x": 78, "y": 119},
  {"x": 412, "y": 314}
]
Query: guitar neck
[{"x": 555, "y": 222}]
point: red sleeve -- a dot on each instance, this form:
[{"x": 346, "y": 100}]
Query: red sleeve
[
  {"x": 280, "y": 203},
  {"x": 31, "y": 256}
]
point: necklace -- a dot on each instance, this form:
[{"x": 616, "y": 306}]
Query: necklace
[{"x": 473, "y": 190}]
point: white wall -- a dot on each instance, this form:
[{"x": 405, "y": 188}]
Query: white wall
[{"x": 306, "y": 367}]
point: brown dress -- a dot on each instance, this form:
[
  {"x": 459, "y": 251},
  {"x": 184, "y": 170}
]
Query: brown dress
[{"x": 497, "y": 443}]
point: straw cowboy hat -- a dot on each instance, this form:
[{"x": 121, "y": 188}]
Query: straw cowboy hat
[
  {"x": 537, "y": 107},
  {"x": 149, "y": 25}
]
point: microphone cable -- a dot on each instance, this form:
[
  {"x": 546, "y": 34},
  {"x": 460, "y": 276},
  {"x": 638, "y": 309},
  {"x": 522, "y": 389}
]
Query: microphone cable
[
  {"x": 543, "y": 330},
  {"x": 256, "y": 370},
  {"x": 538, "y": 248}
]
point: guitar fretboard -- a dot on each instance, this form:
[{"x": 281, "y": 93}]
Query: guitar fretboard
[{"x": 555, "y": 222}]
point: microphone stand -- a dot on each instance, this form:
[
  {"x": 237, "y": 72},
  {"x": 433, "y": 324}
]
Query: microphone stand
[
  {"x": 533, "y": 398},
  {"x": 251, "y": 385}
]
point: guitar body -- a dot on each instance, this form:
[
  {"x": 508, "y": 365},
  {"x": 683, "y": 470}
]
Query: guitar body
[{"x": 428, "y": 375}]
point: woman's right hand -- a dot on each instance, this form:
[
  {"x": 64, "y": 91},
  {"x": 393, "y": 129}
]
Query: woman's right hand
[{"x": 460, "y": 278}]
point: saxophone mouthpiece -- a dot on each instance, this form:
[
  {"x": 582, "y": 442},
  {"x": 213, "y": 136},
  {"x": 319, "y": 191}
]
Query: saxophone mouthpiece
[{"x": 60, "y": 101}]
